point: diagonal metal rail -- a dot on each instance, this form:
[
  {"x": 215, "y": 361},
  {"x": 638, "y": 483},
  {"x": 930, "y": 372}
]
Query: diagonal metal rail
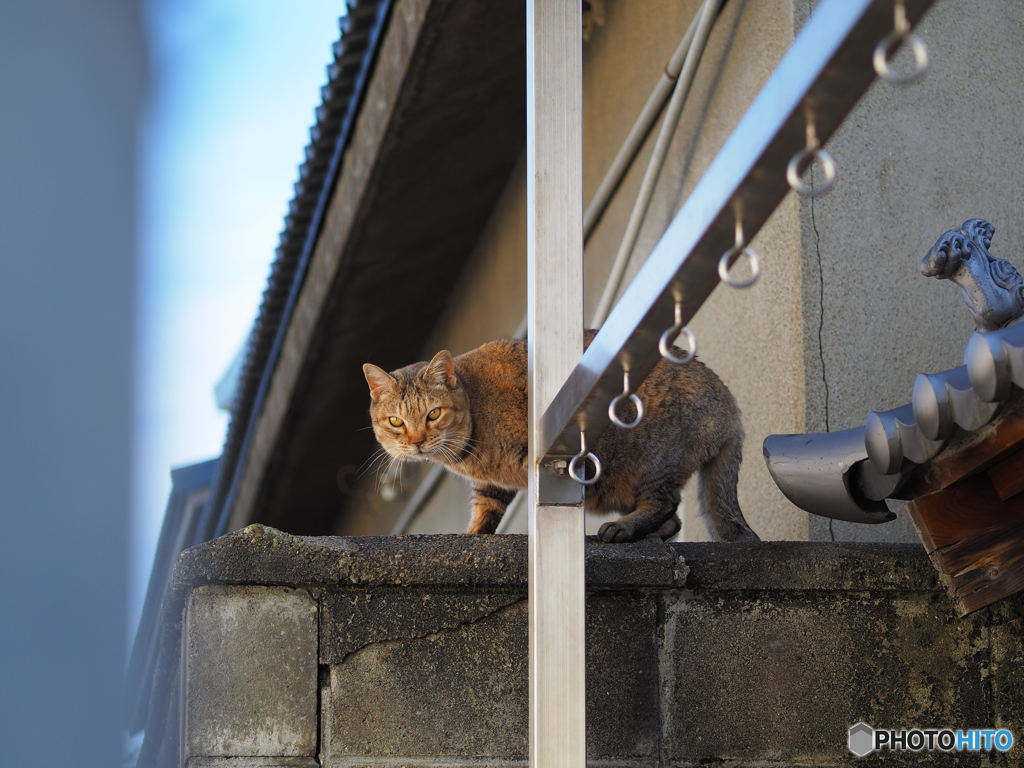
[{"x": 820, "y": 79}]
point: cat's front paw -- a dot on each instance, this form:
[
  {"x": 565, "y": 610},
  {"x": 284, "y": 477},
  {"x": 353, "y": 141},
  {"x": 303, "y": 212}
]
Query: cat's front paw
[
  {"x": 484, "y": 525},
  {"x": 616, "y": 533}
]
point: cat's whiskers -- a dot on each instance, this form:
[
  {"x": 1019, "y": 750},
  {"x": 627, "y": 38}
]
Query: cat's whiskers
[
  {"x": 396, "y": 477},
  {"x": 458, "y": 456},
  {"x": 438, "y": 450},
  {"x": 375, "y": 458},
  {"x": 448, "y": 454},
  {"x": 471, "y": 449},
  {"x": 379, "y": 478},
  {"x": 457, "y": 445},
  {"x": 382, "y": 477}
]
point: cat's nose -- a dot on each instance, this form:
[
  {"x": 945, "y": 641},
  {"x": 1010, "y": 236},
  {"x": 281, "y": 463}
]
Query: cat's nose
[{"x": 418, "y": 441}]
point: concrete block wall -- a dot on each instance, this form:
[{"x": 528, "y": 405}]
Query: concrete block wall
[
  {"x": 400, "y": 651},
  {"x": 250, "y": 671}
]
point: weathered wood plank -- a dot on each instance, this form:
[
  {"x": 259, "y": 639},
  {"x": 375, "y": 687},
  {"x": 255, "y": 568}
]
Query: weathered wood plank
[
  {"x": 983, "y": 568},
  {"x": 971, "y": 454},
  {"x": 960, "y": 511},
  {"x": 1008, "y": 476}
]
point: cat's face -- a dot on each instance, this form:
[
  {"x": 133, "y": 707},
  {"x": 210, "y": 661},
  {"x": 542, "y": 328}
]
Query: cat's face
[{"x": 420, "y": 416}]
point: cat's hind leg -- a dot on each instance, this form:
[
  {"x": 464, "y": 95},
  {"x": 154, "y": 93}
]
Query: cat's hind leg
[
  {"x": 489, "y": 505},
  {"x": 655, "y": 514},
  {"x": 668, "y": 529},
  {"x": 716, "y": 495}
]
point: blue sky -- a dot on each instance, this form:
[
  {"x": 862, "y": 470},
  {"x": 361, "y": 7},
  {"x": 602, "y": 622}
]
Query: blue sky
[{"x": 234, "y": 87}]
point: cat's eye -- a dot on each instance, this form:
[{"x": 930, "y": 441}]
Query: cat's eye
[
  {"x": 396, "y": 422},
  {"x": 434, "y": 414}
]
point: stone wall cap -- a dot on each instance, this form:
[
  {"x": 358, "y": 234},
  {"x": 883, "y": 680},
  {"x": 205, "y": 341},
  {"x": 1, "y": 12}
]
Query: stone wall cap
[
  {"x": 811, "y": 566},
  {"x": 263, "y": 555},
  {"x": 259, "y": 554}
]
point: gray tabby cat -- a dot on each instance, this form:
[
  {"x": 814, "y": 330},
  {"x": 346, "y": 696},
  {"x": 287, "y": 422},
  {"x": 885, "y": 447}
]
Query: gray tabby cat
[{"x": 469, "y": 413}]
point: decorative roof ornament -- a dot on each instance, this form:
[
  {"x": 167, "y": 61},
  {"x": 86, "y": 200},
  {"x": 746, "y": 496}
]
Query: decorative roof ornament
[
  {"x": 992, "y": 288},
  {"x": 847, "y": 475}
]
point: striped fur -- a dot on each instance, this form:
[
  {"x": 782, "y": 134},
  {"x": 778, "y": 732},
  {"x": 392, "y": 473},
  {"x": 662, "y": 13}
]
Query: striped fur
[{"x": 470, "y": 414}]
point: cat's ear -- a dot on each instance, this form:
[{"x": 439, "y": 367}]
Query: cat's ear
[
  {"x": 441, "y": 370},
  {"x": 380, "y": 381}
]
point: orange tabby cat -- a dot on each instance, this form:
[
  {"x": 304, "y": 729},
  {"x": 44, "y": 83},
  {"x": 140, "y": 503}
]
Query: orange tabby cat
[{"x": 469, "y": 413}]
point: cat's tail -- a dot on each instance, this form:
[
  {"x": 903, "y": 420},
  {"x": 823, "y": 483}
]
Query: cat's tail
[{"x": 716, "y": 495}]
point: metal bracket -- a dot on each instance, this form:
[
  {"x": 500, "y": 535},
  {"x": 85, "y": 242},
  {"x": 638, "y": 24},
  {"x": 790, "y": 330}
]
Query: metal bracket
[{"x": 554, "y": 486}]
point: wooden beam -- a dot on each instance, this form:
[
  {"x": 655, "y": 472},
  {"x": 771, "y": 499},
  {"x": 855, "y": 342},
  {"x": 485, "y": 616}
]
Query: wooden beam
[
  {"x": 983, "y": 568},
  {"x": 975, "y": 541},
  {"x": 1008, "y": 475},
  {"x": 960, "y": 511},
  {"x": 971, "y": 453}
]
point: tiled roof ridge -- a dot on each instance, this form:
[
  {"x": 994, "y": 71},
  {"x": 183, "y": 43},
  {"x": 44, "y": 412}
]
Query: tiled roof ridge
[
  {"x": 847, "y": 475},
  {"x": 348, "y": 73},
  {"x": 967, "y": 397}
]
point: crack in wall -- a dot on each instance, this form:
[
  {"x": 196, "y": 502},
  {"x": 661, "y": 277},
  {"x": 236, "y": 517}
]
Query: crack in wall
[
  {"x": 821, "y": 328},
  {"x": 447, "y": 621}
]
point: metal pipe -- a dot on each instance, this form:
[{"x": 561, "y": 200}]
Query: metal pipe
[
  {"x": 637, "y": 134},
  {"x": 699, "y": 39},
  {"x": 424, "y": 492},
  {"x": 554, "y": 251}
]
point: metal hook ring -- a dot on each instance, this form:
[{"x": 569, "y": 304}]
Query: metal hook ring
[
  {"x": 665, "y": 345},
  {"x": 881, "y": 58},
  {"x": 828, "y": 166},
  {"x": 736, "y": 251},
  {"x": 614, "y": 404},
  {"x": 597, "y": 468}
]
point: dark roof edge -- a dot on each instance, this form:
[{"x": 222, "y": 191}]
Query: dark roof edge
[{"x": 348, "y": 76}]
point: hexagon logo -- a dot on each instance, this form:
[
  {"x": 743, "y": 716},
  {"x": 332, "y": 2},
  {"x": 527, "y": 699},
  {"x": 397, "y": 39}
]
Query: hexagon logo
[{"x": 862, "y": 739}]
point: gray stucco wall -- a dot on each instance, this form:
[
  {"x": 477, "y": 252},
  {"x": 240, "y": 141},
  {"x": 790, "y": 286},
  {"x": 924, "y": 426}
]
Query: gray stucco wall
[{"x": 914, "y": 162}]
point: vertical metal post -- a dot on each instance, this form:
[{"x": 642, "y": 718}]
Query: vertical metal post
[{"x": 555, "y": 285}]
